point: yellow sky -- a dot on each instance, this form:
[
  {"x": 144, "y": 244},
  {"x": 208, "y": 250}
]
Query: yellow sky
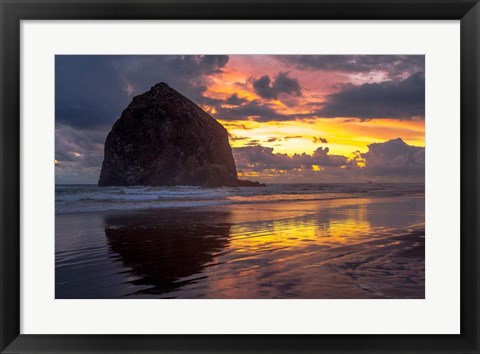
[{"x": 343, "y": 136}]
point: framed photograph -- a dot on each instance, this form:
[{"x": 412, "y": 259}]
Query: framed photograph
[{"x": 239, "y": 177}]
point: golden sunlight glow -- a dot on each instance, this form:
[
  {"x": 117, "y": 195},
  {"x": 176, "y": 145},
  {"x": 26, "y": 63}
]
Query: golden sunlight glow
[{"x": 343, "y": 136}]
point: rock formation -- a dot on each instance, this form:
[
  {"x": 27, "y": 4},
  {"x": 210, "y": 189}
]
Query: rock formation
[{"x": 164, "y": 139}]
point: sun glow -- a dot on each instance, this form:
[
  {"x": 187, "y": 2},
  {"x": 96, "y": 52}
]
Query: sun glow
[{"x": 343, "y": 136}]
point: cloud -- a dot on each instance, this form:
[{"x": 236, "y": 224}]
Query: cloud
[
  {"x": 394, "y": 158},
  {"x": 78, "y": 154},
  {"x": 233, "y": 137},
  {"x": 88, "y": 93},
  {"x": 253, "y": 142},
  {"x": 319, "y": 140},
  {"x": 393, "y": 65},
  {"x": 398, "y": 99},
  {"x": 234, "y": 100},
  {"x": 402, "y": 99},
  {"x": 282, "y": 83},
  {"x": 259, "y": 158},
  {"x": 255, "y": 110}
]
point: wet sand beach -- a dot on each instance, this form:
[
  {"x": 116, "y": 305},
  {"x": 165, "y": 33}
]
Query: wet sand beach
[{"x": 327, "y": 249}]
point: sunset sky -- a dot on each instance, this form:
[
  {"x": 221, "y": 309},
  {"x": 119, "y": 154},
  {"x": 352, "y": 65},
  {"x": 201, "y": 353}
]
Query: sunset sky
[{"x": 306, "y": 118}]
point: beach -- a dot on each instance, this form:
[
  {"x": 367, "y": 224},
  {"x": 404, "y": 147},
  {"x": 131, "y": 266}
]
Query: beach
[{"x": 258, "y": 245}]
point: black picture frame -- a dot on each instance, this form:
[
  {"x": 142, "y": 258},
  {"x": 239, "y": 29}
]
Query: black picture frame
[{"x": 13, "y": 11}]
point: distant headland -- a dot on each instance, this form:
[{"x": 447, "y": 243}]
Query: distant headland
[{"x": 164, "y": 139}]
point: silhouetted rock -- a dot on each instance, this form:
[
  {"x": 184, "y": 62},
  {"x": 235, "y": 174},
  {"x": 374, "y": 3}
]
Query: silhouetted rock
[{"x": 164, "y": 139}]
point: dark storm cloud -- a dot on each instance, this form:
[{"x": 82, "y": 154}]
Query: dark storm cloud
[
  {"x": 195, "y": 65},
  {"x": 282, "y": 83},
  {"x": 394, "y": 65},
  {"x": 88, "y": 92},
  {"x": 91, "y": 91},
  {"x": 402, "y": 99}
]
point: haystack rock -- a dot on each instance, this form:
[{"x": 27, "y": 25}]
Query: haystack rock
[{"x": 164, "y": 139}]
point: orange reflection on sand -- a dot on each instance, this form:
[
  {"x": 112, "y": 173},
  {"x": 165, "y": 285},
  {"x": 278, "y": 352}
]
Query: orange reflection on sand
[
  {"x": 275, "y": 226},
  {"x": 349, "y": 228}
]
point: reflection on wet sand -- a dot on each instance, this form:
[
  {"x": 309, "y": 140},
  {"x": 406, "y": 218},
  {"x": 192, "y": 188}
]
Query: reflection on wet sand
[
  {"x": 160, "y": 248},
  {"x": 331, "y": 251},
  {"x": 351, "y": 248}
]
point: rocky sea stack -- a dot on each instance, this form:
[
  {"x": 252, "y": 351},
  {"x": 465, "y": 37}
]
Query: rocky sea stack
[{"x": 164, "y": 139}]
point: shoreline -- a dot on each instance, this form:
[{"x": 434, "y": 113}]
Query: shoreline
[{"x": 229, "y": 203}]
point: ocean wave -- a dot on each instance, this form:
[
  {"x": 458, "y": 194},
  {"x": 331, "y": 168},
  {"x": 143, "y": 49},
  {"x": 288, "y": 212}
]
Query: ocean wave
[{"x": 90, "y": 198}]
